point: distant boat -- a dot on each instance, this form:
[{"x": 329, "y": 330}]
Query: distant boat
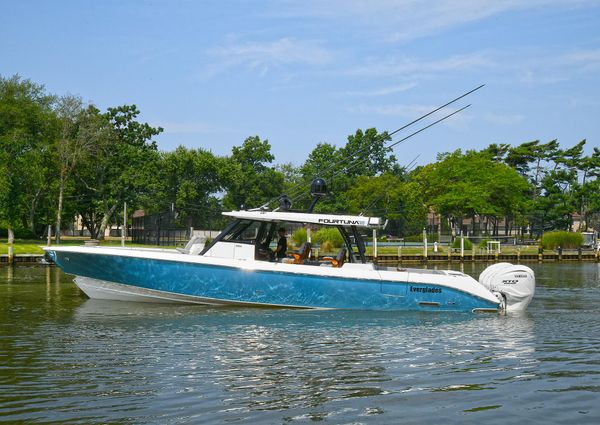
[{"x": 237, "y": 268}]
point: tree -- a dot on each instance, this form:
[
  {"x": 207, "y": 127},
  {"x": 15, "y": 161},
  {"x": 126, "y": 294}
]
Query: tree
[
  {"x": 472, "y": 185},
  {"x": 554, "y": 208},
  {"x": 251, "y": 183},
  {"x": 534, "y": 153},
  {"x": 74, "y": 142},
  {"x": 122, "y": 165},
  {"x": 391, "y": 197},
  {"x": 587, "y": 193},
  {"x": 365, "y": 154},
  {"x": 27, "y": 128},
  {"x": 190, "y": 180}
]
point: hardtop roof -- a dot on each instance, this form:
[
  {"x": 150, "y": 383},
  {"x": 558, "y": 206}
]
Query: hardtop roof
[{"x": 298, "y": 217}]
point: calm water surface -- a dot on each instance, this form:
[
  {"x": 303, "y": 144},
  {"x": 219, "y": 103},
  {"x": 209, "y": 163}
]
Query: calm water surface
[{"x": 66, "y": 359}]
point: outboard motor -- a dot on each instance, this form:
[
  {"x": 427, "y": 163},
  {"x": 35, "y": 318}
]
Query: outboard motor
[{"x": 513, "y": 284}]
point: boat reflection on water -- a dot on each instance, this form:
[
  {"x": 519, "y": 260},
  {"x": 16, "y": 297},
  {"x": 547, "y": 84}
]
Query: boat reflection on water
[{"x": 257, "y": 360}]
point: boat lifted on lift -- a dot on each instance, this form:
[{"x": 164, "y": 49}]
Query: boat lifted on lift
[{"x": 237, "y": 268}]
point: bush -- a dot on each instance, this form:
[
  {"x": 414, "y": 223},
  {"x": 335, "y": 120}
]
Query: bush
[
  {"x": 327, "y": 247},
  {"x": 431, "y": 238},
  {"x": 329, "y": 234},
  {"x": 20, "y": 233},
  {"x": 299, "y": 236},
  {"x": 566, "y": 240},
  {"x": 483, "y": 243},
  {"x": 468, "y": 245}
]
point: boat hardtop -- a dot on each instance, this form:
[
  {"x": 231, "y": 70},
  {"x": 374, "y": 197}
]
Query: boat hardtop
[{"x": 312, "y": 218}]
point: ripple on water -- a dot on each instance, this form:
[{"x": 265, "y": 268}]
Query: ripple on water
[{"x": 83, "y": 361}]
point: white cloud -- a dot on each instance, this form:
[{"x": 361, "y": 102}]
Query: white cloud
[
  {"x": 588, "y": 58},
  {"x": 528, "y": 76},
  {"x": 383, "y": 91},
  {"x": 405, "y": 20},
  {"x": 543, "y": 68},
  {"x": 263, "y": 56},
  {"x": 413, "y": 67},
  {"x": 404, "y": 111},
  {"x": 503, "y": 119}
]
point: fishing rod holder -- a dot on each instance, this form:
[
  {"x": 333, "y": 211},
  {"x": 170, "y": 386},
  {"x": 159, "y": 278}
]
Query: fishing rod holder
[{"x": 285, "y": 203}]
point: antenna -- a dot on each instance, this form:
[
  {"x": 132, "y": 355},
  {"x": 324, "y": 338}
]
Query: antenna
[{"x": 318, "y": 189}]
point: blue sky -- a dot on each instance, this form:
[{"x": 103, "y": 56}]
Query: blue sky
[{"x": 302, "y": 72}]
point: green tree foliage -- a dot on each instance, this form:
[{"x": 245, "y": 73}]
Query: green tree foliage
[
  {"x": 529, "y": 158},
  {"x": 391, "y": 197},
  {"x": 554, "y": 174},
  {"x": 59, "y": 157},
  {"x": 364, "y": 154},
  {"x": 69, "y": 148},
  {"x": 473, "y": 185},
  {"x": 190, "y": 180},
  {"x": 122, "y": 166},
  {"x": 27, "y": 129},
  {"x": 250, "y": 181}
]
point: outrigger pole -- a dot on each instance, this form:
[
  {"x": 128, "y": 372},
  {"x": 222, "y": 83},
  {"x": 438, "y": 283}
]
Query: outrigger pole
[
  {"x": 357, "y": 160},
  {"x": 435, "y": 110},
  {"x": 295, "y": 188}
]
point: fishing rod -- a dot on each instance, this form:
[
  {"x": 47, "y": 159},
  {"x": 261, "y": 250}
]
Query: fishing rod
[
  {"x": 435, "y": 110},
  {"x": 427, "y": 126},
  {"x": 410, "y": 165},
  {"x": 299, "y": 185},
  {"x": 407, "y": 169},
  {"x": 356, "y": 161}
]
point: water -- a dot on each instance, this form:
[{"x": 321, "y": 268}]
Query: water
[{"x": 66, "y": 359}]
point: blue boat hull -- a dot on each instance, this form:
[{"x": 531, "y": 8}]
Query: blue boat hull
[{"x": 231, "y": 285}]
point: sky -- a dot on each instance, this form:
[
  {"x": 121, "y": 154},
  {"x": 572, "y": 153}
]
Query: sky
[{"x": 299, "y": 73}]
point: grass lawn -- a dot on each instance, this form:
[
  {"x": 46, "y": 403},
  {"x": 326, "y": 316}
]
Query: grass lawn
[{"x": 33, "y": 246}]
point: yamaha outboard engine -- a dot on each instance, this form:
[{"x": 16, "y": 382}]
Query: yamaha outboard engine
[{"x": 514, "y": 285}]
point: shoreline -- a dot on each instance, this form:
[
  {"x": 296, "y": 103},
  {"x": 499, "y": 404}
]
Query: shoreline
[{"x": 399, "y": 260}]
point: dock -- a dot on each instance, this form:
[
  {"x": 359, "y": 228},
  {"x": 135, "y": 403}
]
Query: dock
[
  {"x": 585, "y": 256},
  {"x": 21, "y": 258}
]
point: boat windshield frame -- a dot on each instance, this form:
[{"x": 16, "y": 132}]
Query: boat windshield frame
[{"x": 266, "y": 231}]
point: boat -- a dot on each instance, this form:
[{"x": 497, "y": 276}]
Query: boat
[{"x": 237, "y": 268}]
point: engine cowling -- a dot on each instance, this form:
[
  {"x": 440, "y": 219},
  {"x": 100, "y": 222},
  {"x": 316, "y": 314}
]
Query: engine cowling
[{"x": 513, "y": 283}]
